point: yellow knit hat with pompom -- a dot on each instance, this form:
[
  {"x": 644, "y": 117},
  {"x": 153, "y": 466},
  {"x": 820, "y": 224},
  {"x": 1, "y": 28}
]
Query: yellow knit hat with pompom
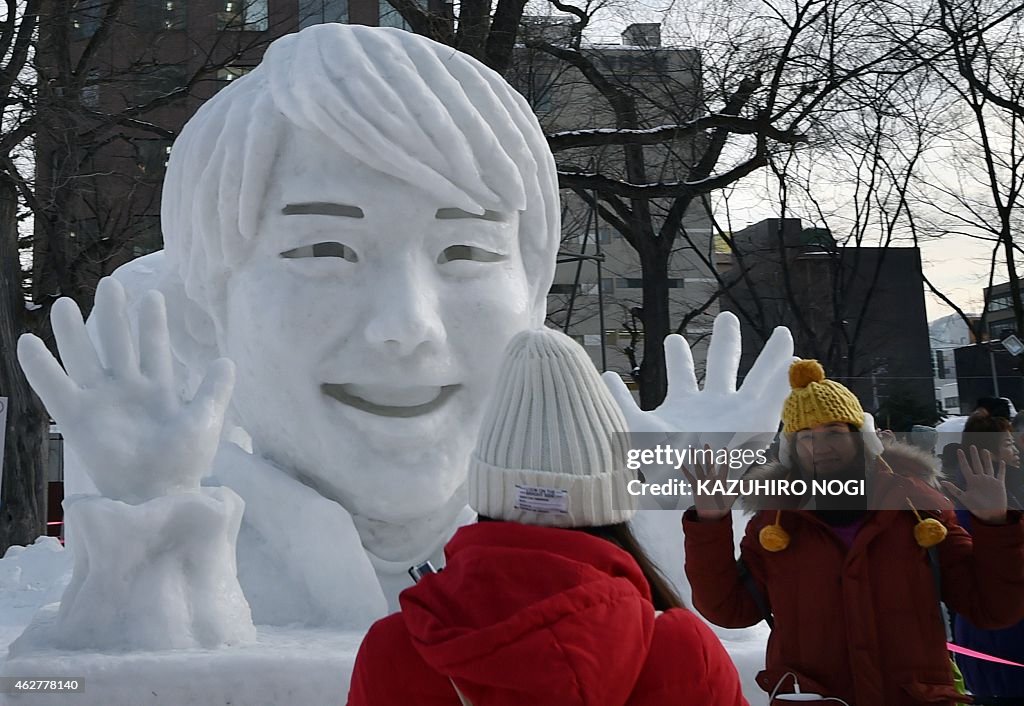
[{"x": 815, "y": 400}]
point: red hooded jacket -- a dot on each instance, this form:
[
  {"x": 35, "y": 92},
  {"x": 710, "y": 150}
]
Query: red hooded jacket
[{"x": 525, "y": 615}]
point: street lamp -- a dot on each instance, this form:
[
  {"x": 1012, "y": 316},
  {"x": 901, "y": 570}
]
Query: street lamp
[{"x": 1013, "y": 345}]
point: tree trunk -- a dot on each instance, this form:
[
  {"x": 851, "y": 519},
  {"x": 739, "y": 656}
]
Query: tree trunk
[
  {"x": 653, "y": 380},
  {"x": 22, "y": 496},
  {"x": 1011, "y": 271}
]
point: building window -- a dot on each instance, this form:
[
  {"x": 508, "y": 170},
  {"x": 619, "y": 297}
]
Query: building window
[
  {"x": 85, "y": 231},
  {"x": 91, "y": 90},
  {"x": 227, "y": 74},
  {"x": 151, "y": 156},
  {"x": 1000, "y": 303},
  {"x": 244, "y": 15},
  {"x": 159, "y": 15},
  {"x": 566, "y": 289},
  {"x": 316, "y": 12},
  {"x": 159, "y": 81},
  {"x": 638, "y": 283},
  {"x": 634, "y": 66},
  {"x": 540, "y": 90},
  {"x": 614, "y": 338},
  {"x": 146, "y": 237},
  {"x": 389, "y": 17},
  {"x": 86, "y": 17},
  {"x": 1001, "y": 330}
]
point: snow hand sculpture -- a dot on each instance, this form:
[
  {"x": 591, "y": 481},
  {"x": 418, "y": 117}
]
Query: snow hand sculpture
[
  {"x": 117, "y": 405},
  {"x": 690, "y": 416},
  {"x": 154, "y": 554}
]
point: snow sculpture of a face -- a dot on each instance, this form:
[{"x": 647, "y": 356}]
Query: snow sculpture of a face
[{"x": 362, "y": 224}]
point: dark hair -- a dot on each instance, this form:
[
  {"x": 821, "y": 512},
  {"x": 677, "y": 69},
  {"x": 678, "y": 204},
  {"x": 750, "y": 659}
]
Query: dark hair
[
  {"x": 984, "y": 430},
  {"x": 995, "y": 406},
  {"x": 663, "y": 595}
]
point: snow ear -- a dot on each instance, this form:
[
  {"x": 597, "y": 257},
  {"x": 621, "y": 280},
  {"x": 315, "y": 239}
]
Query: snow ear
[
  {"x": 872, "y": 443},
  {"x": 786, "y": 457},
  {"x": 193, "y": 337}
]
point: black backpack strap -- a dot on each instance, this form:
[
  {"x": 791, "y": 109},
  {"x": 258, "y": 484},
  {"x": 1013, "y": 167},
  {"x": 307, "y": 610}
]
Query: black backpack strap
[
  {"x": 933, "y": 561},
  {"x": 755, "y": 592},
  {"x": 936, "y": 567}
]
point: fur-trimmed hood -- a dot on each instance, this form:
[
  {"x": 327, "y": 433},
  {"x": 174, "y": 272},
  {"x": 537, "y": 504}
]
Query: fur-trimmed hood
[{"x": 905, "y": 461}]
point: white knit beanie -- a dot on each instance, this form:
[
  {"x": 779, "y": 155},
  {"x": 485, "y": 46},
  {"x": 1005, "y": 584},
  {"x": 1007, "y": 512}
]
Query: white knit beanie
[{"x": 552, "y": 446}]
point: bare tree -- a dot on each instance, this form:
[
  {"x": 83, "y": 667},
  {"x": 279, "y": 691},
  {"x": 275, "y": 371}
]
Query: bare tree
[
  {"x": 21, "y": 509},
  {"x": 766, "y": 73},
  {"x": 979, "y": 52},
  {"x": 970, "y": 52},
  {"x": 95, "y": 93},
  {"x": 835, "y": 284}
]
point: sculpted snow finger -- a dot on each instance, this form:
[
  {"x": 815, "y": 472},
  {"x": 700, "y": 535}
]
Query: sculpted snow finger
[
  {"x": 718, "y": 413},
  {"x": 154, "y": 341},
  {"x": 76, "y": 348},
  {"x": 682, "y": 379},
  {"x": 114, "y": 333},
  {"x": 723, "y": 358},
  {"x": 47, "y": 378}
]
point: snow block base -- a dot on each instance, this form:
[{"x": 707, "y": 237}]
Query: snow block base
[{"x": 296, "y": 666}]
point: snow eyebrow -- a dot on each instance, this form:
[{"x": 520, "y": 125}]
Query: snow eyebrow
[
  {"x": 319, "y": 208},
  {"x": 452, "y": 213}
]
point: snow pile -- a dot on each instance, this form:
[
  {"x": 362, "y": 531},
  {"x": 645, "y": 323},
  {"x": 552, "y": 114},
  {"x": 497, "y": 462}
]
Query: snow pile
[
  {"x": 285, "y": 665},
  {"x": 173, "y": 585},
  {"x": 30, "y": 577}
]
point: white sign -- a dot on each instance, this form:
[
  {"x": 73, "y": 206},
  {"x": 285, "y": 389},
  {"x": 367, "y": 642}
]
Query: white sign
[{"x": 1013, "y": 344}]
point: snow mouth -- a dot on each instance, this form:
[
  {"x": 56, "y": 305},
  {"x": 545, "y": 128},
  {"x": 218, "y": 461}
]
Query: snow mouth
[{"x": 390, "y": 401}]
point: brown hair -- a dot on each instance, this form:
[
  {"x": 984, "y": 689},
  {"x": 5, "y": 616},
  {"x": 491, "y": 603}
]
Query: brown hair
[
  {"x": 985, "y": 431},
  {"x": 663, "y": 595}
]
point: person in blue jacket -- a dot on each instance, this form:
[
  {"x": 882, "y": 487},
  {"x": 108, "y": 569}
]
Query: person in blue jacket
[{"x": 984, "y": 678}]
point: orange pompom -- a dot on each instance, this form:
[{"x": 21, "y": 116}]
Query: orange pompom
[
  {"x": 803, "y": 372},
  {"x": 773, "y": 538},
  {"x": 929, "y": 532}
]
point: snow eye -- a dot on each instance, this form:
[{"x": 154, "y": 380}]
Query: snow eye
[
  {"x": 455, "y": 253},
  {"x": 326, "y": 249}
]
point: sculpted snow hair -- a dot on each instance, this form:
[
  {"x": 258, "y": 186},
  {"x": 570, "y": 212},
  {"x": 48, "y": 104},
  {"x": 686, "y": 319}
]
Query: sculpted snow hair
[{"x": 400, "y": 103}]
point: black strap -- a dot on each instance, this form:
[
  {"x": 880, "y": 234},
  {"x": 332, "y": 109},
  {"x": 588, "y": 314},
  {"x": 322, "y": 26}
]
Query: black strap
[
  {"x": 936, "y": 566},
  {"x": 755, "y": 592},
  {"x": 933, "y": 560}
]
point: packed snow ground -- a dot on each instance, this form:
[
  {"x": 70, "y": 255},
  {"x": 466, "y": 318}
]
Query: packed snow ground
[{"x": 283, "y": 666}]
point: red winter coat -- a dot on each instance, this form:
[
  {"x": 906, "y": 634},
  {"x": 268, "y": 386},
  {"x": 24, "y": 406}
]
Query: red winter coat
[
  {"x": 863, "y": 623},
  {"x": 534, "y": 616}
]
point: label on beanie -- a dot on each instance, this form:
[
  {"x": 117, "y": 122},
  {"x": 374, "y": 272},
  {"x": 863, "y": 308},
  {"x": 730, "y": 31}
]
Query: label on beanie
[{"x": 542, "y": 500}]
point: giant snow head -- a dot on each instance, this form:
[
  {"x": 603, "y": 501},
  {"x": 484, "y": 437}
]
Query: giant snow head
[{"x": 361, "y": 224}]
